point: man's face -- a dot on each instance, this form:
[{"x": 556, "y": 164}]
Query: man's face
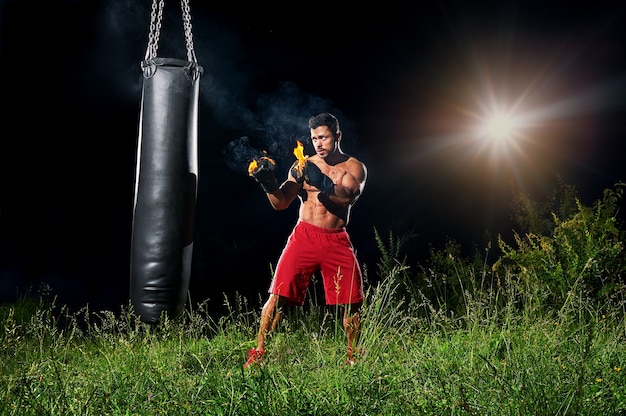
[{"x": 324, "y": 141}]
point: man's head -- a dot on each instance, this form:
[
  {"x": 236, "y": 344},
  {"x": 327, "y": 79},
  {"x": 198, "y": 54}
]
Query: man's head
[
  {"x": 325, "y": 135},
  {"x": 325, "y": 119}
]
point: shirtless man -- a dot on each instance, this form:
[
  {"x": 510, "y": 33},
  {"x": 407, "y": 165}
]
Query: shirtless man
[{"x": 328, "y": 185}]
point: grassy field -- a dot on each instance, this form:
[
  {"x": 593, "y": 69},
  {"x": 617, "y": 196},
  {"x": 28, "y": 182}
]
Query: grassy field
[
  {"x": 488, "y": 362},
  {"x": 540, "y": 331}
]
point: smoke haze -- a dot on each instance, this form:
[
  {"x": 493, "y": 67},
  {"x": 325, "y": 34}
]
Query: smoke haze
[{"x": 234, "y": 90}]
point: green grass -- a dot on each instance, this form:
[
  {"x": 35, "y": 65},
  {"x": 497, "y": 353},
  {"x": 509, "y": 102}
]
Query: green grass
[
  {"x": 540, "y": 332},
  {"x": 487, "y": 362}
]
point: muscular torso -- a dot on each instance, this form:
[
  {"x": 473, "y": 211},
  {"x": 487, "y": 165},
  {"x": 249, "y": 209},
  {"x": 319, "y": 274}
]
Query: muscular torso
[
  {"x": 326, "y": 210},
  {"x": 332, "y": 211}
]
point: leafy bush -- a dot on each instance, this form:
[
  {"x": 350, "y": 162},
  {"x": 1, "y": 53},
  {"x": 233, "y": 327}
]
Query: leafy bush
[{"x": 581, "y": 256}]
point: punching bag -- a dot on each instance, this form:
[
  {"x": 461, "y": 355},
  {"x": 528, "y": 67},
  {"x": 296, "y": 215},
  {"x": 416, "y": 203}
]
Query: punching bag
[{"x": 166, "y": 179}]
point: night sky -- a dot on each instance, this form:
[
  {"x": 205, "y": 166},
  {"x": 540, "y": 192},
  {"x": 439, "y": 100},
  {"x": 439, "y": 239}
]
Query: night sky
[{"x": 411, "y": 83}]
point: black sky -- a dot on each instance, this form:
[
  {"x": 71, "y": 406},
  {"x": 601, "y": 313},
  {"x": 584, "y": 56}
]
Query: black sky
[{"x": 408, "y": 80}]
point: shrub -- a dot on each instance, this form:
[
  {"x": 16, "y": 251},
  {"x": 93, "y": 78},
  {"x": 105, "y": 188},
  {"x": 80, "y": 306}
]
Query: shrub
[{"x": 581, "y": 255}]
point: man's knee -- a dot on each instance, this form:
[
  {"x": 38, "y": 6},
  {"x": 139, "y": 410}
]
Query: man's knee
[{"x": 351, "y": 319}]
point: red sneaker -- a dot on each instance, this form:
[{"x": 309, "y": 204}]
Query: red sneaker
[
  {"x": 254, "y": 356},
  {"x": 352, "y": 356}
]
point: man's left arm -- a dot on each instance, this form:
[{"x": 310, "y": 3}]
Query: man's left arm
[
  {"x": 345, "y": 189},
  {"x": 351, "y": 184}
]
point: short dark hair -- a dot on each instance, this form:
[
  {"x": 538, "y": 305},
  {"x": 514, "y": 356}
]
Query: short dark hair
[{"x": 325, "y": 119}]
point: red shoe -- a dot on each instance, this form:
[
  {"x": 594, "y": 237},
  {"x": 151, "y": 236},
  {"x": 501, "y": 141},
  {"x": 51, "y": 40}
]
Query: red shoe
[
  {"x": 254, "y": 356},
  {"x": 351, "y": 360}
]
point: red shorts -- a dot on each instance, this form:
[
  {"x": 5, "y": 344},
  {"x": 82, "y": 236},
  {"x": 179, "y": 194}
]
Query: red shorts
[{"x": 310, "y": 248}]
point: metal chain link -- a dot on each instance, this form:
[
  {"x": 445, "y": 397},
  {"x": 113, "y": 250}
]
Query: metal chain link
[
  {"x": 156, "y": 18},
  {"x": 184, "y": 5}
]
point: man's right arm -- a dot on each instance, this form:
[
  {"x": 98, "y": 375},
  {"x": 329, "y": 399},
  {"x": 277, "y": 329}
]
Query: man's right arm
[
  {"x": 285, "y": 194},
  {"x": 279, "y": 196}
]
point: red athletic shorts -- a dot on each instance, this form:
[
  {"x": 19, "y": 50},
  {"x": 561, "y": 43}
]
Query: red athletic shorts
[{"x": 310, "y": 248}]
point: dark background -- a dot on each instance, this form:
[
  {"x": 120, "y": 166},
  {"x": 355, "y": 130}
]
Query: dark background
[{"x": 408, "y": 80}]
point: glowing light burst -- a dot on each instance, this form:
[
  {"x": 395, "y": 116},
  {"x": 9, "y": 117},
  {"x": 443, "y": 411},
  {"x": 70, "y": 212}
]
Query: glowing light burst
[
  {"x": 502, "y": 131},
  {"x": 500, "y": 126},
  {"x": 513, "y": 112},
  {"x": 499, "y": 129},
  {"x": 508, "y": 140},
  {"x": 516, "y": 112}
]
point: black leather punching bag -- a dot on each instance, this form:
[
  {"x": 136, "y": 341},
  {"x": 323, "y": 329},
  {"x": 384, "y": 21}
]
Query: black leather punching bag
[{"x": 165, "y": 185}]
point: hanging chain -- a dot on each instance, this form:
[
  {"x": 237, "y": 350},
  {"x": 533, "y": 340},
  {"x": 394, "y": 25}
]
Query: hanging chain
[
  {"x": 156, "y": 17},
  {"x": 184, "y": 5}
]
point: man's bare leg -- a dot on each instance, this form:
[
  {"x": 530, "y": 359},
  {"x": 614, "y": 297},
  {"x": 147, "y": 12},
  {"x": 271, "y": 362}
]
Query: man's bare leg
[
  {"x": 270, "y": 317},
  {"x": 352, "y": 326}
]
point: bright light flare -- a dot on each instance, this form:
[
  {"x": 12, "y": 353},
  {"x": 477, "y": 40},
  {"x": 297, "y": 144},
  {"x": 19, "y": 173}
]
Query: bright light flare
[
  {"x": 502, "y": 131},
  {"x": 509, "y": 110},
  {"x": 500, "y": 126}
]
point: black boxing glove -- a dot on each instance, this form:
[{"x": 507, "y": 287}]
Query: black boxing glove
[
  {"x": 264, "y": 175},
  {"x": 298, "y": 174},
  {"x": 314, "y": 176}
]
